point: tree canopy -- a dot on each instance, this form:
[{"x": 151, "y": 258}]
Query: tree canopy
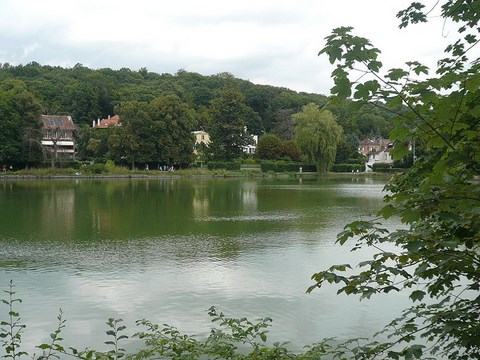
[
  {"x": 88, "y": 94},
  {"x": 20, "y": 135},
  {"x": 228, "y": 131},
  {"x": 155, "y": 132},
  {"x": 269, "y": 147},
  {"x": 317, "y": 135}
]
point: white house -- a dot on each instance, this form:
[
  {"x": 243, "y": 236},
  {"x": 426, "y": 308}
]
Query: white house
[
  {"x": 251, "y": 149},
  {"x": 203, "y": 137},
  {"x": 376, "y": 151}
]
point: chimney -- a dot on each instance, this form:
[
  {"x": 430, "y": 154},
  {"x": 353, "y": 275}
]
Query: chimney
[
  {"x": 93, "y": 123},
  {"x": 108, "y": 117},
  {"x": 98, "y": 122}
]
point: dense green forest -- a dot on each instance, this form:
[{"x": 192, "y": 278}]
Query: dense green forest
[{"x": 171, "y": 104}]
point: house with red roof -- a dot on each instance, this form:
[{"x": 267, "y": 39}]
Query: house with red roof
[{"x": 107, "y": 123}]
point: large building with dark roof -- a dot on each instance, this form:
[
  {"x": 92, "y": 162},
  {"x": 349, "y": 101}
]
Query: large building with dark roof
[{"x": 58, "y": 135}]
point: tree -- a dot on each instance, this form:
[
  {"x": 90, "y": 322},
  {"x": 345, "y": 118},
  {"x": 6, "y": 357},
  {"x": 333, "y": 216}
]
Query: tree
[
  {"x": 371, "y": 125},
  {"x": 92, "y": 143},
  {"x": 20, "y": 128},
  {"x": 228, "y": 122},
  {"x": 290, "y": 150},
  {"x": 173, "y": 124},
  {"x": 269, "y": 147},
  {"x": 159, "y": 131},
  {"x": 284, "y": 125},
  {"x": 436, "y": 258},
  {"x": 347, "y": 153},
  {"x": 317, "y": 135},
  {"x": 134, "y": 141}
]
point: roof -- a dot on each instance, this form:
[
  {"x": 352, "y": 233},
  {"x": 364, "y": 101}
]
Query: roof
[
  {"x": 110, "y": 122},
  {"x": 63, "y": 122}
]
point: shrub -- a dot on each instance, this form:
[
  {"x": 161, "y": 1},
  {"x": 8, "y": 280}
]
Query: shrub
[
  {"x": 94, "y": 169},
  {"x": 249, "y": 161},
  {"x": 269, "y": 147},
  {"x": 358, "y": 160},
  {"x": 70, "y": 164},
  {"x": 110, "y": 166},
  {"x": 290, "y": 150},
  {"x": 232, "y": 165}
]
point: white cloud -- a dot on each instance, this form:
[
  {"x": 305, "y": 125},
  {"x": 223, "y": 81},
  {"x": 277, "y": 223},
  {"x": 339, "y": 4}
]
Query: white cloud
[
  {"x": 30, "y": 49},
  {"x": 269, "y": 42}
]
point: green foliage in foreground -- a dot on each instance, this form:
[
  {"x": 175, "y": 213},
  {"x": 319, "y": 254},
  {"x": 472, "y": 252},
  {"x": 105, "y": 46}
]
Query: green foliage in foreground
[{"x": 435, "y": 257}]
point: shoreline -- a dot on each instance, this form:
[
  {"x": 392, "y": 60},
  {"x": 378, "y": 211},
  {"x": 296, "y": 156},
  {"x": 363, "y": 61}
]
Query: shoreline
[{"x": 186, "y": 176}]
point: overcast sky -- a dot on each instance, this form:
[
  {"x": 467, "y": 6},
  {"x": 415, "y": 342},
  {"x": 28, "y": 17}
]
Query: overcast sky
[{"x": 273, "y": 42}]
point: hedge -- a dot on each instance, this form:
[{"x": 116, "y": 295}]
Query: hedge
[
  {"x": 273, "y": 166},
  {"x": 348, "y": 167},
  {"x": 381, "y": 167},
  {"x": 213, "y": 165}
]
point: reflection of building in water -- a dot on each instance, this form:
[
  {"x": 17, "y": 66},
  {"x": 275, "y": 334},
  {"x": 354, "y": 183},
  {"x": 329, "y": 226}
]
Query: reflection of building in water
[
  {"x": 58, "y": 212},
  {"x": 249, "y": 196},
  {"x": 200, "y": 203},
  {"x": 101, "y": 220}
]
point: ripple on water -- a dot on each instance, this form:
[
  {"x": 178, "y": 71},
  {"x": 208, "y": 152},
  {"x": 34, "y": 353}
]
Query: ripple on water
[{"x": 253, "y": 217}]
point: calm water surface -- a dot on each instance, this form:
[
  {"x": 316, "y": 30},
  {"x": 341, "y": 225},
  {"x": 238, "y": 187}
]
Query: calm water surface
[{"x": 168, "y": 249}]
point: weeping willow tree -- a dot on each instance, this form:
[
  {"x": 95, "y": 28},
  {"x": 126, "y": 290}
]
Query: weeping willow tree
[{"x": 317, "y": 135}]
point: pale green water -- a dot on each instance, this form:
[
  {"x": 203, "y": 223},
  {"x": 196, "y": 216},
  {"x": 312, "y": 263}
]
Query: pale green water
[{"x": 167, "y": 250}]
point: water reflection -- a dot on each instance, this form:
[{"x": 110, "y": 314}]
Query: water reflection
[{"x": 169, "y": 249}]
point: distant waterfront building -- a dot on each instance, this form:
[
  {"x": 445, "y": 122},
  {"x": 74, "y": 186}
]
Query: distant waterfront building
[
  {"x": 57, "y": 139},
  {"x": 251, "y": 149},
  {"x": 113, "y": 121},
  {"x": 376, "y": 151},
  {"x": 202, "y": 140},
  {"x": 201, "y": 136}
]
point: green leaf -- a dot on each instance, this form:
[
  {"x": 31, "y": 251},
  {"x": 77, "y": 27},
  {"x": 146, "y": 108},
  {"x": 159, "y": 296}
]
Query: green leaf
[
  {"x": 387, "y": 211},
  {"x": 473, "y": 82},
  {"x": 342, "y": 88},
  {"x": 396, "y": 74},
  {"x": 417, "y": 295},
  {"x": 374, "y": 66},
  {"x": 471, "y": 39}
]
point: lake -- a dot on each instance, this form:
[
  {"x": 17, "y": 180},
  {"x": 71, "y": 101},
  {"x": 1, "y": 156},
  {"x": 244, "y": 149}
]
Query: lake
[{"x": 168, "y": 249}]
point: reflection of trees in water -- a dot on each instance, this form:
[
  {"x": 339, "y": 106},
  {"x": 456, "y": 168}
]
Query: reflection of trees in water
[{"x": 180, "y": 218}]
